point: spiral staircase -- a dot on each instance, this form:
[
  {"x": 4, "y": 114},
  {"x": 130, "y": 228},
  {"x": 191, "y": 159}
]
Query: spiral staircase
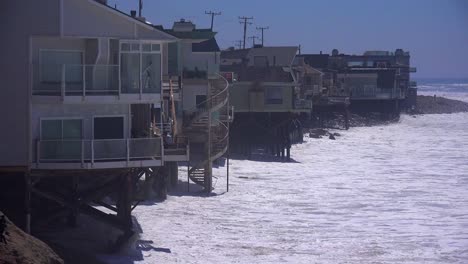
[{"x": 209, "y": 122}]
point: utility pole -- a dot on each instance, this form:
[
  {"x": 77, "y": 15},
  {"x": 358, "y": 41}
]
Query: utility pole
[
  {"x": 212, "y": 14},
  {"x": 238, "y": 44},
  {"x": 262, "y": 29},
  {"x": 140, "y": 7},
  {"x": 253, "y": 40},
  {"x": 300, "y": 49},
  {"x": 245, "y": 22}
]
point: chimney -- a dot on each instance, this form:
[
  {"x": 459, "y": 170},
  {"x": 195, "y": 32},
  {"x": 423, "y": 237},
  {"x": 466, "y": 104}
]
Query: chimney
[{"x": 133, "y": 13}]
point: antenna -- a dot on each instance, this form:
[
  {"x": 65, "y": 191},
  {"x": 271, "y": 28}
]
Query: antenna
[
  {"x": 212, "y": 14},
  {"x": 262, "y": 29},
  {"x": 245, "y": 22}
]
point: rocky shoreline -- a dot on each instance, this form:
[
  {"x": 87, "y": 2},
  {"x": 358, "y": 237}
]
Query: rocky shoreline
[
  {"x": 439, "y": 105},
  {"x": 425, "y": 105}
]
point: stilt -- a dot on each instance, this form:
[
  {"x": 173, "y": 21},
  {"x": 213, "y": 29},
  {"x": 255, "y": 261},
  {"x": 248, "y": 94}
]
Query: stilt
[
  {"x": 73, "y": 214},
  {"x": 188, "y": 176},
  {"x": 27, "y": 201},
  {"x": 174, "y": 174}
]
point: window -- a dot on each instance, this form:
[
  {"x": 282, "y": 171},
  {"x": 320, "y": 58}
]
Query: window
[
  {"x": 109, "y": 127},
  {"x": 53, "y": 62},
  {"x": 274, "y": 95},
  {"x": 61, "y": 129},
  {"x": 140, "y": 67},
  {"x": 61, "y": 139}
]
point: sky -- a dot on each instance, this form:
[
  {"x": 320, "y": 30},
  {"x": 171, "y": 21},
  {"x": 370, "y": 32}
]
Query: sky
[{"x": 435, "y": 32}]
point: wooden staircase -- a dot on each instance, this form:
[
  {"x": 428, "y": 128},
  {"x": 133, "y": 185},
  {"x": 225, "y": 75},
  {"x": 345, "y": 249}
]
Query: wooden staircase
[{"x": 211, "y": 120}]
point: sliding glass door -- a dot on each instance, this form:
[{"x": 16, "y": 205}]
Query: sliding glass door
[{"x": 140, "y": 66}]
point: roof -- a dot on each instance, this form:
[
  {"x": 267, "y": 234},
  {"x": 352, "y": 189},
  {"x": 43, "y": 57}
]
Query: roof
[
  {"x": 206, "y": 46},
  {"x": 316, "y": 60},
  {"x": 135, "y": 19},
  {"x": 234, "y": 54},
  {"x": 195, "y": 34},
  {"x": 286, "y": 53}
]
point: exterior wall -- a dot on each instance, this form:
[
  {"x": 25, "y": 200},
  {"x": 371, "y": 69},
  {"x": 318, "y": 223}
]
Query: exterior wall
[
  {"x": 86, "y": 112},
  {"x": 18, "y": 20},
  {"x": 190, "y": 92},
  {"x": 277, "y": 56},
  {"x": 204, "y": 61},
  {"x": 244, "y": 99}
]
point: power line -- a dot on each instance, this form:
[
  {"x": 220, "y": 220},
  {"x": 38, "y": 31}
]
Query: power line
[
  {"x": 253, "y": 38},
  {"x": 245, "y": 22},
  {"x": 238, "y": 44},
  {"x": 263, "y": 29},
  {"x": 212, "y": 14}
]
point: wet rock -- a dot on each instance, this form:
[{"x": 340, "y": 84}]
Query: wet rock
[{"x": 332, "y": 137}]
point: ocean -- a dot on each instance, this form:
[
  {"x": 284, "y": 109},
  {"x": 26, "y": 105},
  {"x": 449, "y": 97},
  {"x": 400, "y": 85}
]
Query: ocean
[{"x": 394, "y": 193}]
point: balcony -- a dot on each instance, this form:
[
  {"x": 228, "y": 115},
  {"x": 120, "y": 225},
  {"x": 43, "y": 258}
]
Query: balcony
[
  {"x": 98, "y": 154},
  {"x": 94, "y": 83}
]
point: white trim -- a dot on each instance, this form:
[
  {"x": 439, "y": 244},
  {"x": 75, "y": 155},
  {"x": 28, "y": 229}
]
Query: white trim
[{"x": 105, "y": 116}]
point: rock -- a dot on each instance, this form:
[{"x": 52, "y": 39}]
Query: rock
[
  {"x": 311, "y": 135},
  {"x": 337, "y": 134},
  {"x": 24, "y": 248},
  {"x": 332, "y": 137}
]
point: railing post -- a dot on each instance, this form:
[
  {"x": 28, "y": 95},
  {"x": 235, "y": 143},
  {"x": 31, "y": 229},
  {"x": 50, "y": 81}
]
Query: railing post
[
  {"x": 92, "y": 152},
  {"x": 84, "y": 81},
  {"x": 120, "y": 80},
  {"x": 38, "y": 152},
  {"x": 162, "y": 150},
  {"x": 128, "y": 150},
  {"x": 82, "y": 153},
  {"x": 62, "y": 84}
]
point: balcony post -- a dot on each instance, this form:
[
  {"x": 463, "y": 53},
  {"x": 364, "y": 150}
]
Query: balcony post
[
  {"x": 84, "y": 81},
  {"x": 62, "y": 84},
  {"x": 38, "y": 152},
  {"x": 161, "y": 149},
  {"x": 92, "y": 152},
  {"x": 82, "y": 153},
  {"x": 128, "y": 150},
  {"x": 120, "y": 80}
]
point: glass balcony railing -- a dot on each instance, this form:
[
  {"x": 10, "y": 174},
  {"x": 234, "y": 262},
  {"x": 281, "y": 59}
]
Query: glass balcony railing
[
  {"x": 89, "y": 80},
  {"x": 91, "y": 151}
]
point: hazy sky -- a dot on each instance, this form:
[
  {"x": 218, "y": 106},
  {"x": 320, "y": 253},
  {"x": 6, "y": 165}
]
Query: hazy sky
[{"x": 434, "y": 31}]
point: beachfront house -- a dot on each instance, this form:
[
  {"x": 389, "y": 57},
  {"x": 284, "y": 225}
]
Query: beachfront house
[
  {"x": 81, "y": 96},
  {"x": 267, "y": 98}
]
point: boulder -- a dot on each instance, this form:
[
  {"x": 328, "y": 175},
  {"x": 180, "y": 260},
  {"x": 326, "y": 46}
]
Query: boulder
[{"x": 25, "y": 249}]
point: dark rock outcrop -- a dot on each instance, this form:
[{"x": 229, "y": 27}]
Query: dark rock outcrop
[{"x": 25, "y": 249}]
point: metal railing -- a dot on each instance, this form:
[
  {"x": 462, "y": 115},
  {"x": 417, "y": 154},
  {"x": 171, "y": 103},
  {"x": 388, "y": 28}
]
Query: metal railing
[
  {"x": 91, "y": 79},
  {"x": 302, "y": 104},
  {"x": 99, "y": 150}
]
